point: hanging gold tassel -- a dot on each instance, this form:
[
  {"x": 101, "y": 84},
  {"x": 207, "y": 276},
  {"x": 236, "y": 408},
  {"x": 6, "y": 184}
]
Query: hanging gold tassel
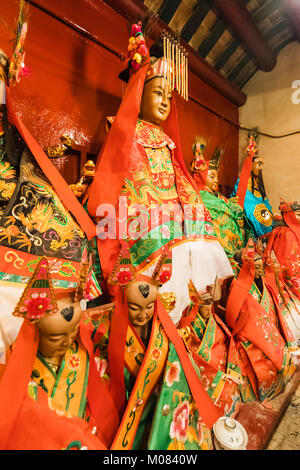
[
  {"x": 177, "y": 65},
  {"x": 187, "y": 75},
  {"x": 183, "y": 74},
  {"x": 172, "y": 66}
]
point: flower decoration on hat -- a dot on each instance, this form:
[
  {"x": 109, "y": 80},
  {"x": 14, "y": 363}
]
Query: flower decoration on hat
[
  {"x": 137, "y": 49},
  {"x": 163, "y": 269},
  {"x": 252, "y": 147},
  {"x": 198, "y": 164},
  {"x": 124, "y": 272},
  {"x": 38, "y": 298},
  {"x": 249, "y": 252}
]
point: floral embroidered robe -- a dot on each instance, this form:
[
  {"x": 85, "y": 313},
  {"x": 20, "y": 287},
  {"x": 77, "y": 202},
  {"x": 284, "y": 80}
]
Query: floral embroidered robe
[
  {"x": 228, "y": 221},
  {"x": 66, "y": 393},
  {"x": 287, "y": 250},
  {"x": 263, "y": 349},
  {"x": 34, "y": 223},
  {"x": 157, "y": 183}
]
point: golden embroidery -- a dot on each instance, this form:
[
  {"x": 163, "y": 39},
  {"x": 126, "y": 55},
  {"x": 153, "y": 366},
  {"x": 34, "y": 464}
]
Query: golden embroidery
[
  {"x": 12, "y": 257},
  {"x": 169, "y": 300},
  {"x": 263, "y": 215}
]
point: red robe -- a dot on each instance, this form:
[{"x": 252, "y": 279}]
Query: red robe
[{"x": 285, "y": 244}]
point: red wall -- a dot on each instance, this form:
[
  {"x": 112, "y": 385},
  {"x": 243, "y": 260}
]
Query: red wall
[{"x": 73, "y": 83}]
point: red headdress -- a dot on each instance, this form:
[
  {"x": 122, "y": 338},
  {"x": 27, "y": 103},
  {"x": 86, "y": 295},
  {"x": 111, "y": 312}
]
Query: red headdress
[
  {"x": 286, "y": 209},
  {"x": 252, "y": 150},
  {"x": 199, "y": 166}
]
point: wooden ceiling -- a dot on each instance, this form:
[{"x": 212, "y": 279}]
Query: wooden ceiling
[{"x": 224, "y": 41}]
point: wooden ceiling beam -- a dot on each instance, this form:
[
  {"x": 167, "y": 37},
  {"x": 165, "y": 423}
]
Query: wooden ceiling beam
[
  {"x": 135, "y": 10},
  {"x": 242, "y": 26}
]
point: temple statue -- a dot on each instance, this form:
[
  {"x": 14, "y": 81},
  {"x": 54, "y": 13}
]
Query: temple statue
[
  {"x": 285, "y": 242},
  {"x": 251, "y": 193},
  {"x": 228, "y": 218},
  {"x": 143, "y": 181},
  {"x": 285, "y": 300},
  {"x": 43, "y": 228},
  {"x": 52, "y": 391},
  {"x": 157, "y": 391},
  {"x": 261, "y": 332}
]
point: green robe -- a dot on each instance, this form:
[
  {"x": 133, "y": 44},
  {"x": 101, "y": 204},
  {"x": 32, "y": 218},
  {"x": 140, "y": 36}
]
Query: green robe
[{"x": 228, "y": 221}]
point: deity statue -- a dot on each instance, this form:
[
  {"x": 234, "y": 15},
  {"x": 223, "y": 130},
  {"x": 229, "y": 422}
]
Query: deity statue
[
  {"x": 251, "y": 192},
  {"x": 285, "y": 300},
  {"x": 285, "y": 242},
  {"x": 52, "y": 374},
  {"x": 228, "y": 218},
  {"x": 43, "y": 222},
  {"x": 151, "y": 177},
  {"x": 259, "y": 327}
]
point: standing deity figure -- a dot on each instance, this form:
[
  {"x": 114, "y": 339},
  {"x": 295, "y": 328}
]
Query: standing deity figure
[
  {"x": 251, "y": 192},
  {"x": 142, "y": 183}
]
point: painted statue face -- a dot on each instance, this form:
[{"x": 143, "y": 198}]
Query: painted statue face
[
  {"x": 58, "y": 331},
  {"x": 297, "y": 215},
  {"x": 259, "y": 268},
  {"x": 212, "y": 181},
  {"x": 257, "y": 166},
  {"x": 141, "y": 297},
  {"x": 205, "y": 311},
  {"x": 156, "y": 101}
]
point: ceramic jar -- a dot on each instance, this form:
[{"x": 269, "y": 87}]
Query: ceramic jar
[{"x": 229, "y": 434}]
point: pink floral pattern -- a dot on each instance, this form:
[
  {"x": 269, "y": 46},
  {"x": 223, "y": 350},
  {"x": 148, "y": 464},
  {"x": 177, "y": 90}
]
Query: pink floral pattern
[
  {"x": 101, "y": 366},
  {"x": 179, "y": 425},
  {"x": 173, "y": 373}
]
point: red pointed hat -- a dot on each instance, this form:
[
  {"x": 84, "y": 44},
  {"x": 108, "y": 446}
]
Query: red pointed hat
[
  {"x": 124, "y": 272},
  {"x": 288, "y": 215},
  {"x": 38, "y": 298},
  {"x": 252, "y": 150}
]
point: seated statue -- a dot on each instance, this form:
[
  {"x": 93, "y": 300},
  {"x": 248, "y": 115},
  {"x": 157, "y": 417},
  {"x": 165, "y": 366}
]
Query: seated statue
[
  {"x": 158, "y": 394},
  {"x": 285, "y": 242},
  {"x": 51, "y": 370},
  {"x": 286, "y": 301},
  {"x": 259, "y": 328},
  {"x": 42, "y": 220},
  {"x": 228, "y": 218}
]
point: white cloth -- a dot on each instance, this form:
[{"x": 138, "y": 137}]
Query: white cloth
[
  {"x": 292, "y": 317},
  {"x": 9, "y": 325},
  {"x": 200, "y": 261}
]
